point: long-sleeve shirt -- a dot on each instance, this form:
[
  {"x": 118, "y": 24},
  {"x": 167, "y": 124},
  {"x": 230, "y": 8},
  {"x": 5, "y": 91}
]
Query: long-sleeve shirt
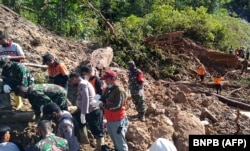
[
  {"x": 51, "y": 141},
  {"x": 15, "y": 75},
  {"x": 65, "y": 129},
  {"x": 85, "y": 95},
  {"x": 41, "y": 94}
]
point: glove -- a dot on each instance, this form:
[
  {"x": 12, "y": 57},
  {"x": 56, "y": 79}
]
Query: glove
[
  {"x": 83, "y": 120},
  {"x": 95, "y": 103},
  {"x": 141, "y": 92},
  {"x": 6, "y": 88},
  {"x": 97, "y": 97}
]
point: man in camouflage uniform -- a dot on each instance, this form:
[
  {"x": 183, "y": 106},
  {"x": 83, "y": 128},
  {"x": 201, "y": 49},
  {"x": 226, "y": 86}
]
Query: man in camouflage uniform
[
  {"x": 42, "y": 94},
  {"x": 14, "y": 74},
  {"x": 136, "y": 89},
  {"x": 49, "y": 141}
]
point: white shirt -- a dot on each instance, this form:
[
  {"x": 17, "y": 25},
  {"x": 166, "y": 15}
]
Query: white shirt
[
  {"x": 13, "y": 50},
  {"x": 8, "y": 146}
]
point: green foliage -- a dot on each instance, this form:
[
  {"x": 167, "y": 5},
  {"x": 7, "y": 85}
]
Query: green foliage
[{"x": 40, "y": 77}]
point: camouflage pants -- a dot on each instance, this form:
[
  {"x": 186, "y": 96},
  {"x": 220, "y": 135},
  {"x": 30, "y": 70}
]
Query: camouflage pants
[{"x": 139, "y": 103}]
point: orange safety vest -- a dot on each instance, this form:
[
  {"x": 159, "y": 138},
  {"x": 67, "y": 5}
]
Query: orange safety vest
[
  {"x": 201, "y": 70},
  {"x": 217, "y": 80}
]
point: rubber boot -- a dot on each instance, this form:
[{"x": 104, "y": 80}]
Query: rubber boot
[
  {"x": 84, "y": 136},
  {"x": 99, "y": 143},
  {"x": 18, "y": 102}
]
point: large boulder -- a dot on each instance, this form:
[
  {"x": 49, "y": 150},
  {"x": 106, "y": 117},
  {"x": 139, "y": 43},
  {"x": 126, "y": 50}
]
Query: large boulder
[
  {"x": 102, "y": 57},
  {"x": 185, "y": 124}
]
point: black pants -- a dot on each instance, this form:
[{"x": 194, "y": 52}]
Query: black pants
[
  {"x": 77, "y": 117},
  {"x": 218, "y": 87},
  {"x": 95, "y": 122},
  {"x": 202, "y": 77}
]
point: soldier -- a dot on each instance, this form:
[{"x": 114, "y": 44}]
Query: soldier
[
  {"x": 65, "y": 125},
  {"x": 49, "y": 140},
  {"x": 136, "y": 87},
  {"x": 244, "y": 66},
  {"x": 41, "y": 94},
  {"x": 14, "y": 74}
]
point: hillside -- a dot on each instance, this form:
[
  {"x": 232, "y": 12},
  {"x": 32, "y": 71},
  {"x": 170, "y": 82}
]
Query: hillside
[{"x": 177, "y": 104}]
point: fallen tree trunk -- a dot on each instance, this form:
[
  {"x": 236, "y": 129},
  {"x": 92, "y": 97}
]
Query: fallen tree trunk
[
  {"x": 7, "y": 116},
  {"x": 232, "y": 102}
]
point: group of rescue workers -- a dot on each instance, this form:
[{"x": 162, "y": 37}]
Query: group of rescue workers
[{"x": 95, "y": 103}]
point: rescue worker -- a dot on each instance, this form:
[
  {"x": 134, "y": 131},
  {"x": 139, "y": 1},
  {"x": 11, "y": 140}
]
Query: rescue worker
[
  {"x": 14, "y": 74},
  {"x": 244, "y": 66},
  {"x": 136, "y": 87},
  {"x": 217, "y": 83},
  {"x": 58, "y": 72},
  {"x": 5, "y": 144},
  {"x": 113, "y": 101},
  {"x": 90, "y": 76},
  {"x": 65, "y": 126},
  {"x": 10, "y": 48},
  {"x": 201, "y": 72},
  {"x": 42, "y": 94},
  {"x": 49, "y": 140},
  {"x": 90, "y": 115}
]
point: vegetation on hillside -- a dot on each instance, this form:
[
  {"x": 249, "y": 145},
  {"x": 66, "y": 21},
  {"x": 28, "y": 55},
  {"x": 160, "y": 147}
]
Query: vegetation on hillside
[{"x": 213, "y": 23}]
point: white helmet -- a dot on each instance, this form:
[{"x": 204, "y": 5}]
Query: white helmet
[{"x": 162, "y": 144}]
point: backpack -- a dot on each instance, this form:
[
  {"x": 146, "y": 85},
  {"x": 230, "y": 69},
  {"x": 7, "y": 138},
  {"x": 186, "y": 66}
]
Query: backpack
[{"x": 76, "y": 126}]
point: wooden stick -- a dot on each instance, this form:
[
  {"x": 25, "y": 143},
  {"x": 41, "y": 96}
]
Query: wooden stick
[{"x": 35, "y": 65}]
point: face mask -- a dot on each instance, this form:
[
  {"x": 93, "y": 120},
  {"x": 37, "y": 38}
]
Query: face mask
[
  {"x": 131, "y": 68},
  {"x": 109, "y": 85},
  {"x": 86, "y": 77}
]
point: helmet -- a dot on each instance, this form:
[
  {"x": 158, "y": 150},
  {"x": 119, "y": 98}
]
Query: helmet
[{"x": 3, "y": 61}]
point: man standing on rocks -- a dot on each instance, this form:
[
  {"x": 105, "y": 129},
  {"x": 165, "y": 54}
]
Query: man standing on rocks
[
  {"x": 136, "y": 87},
  {"x": 201, "y": 72},
  {"x": 91, "y": 115},
  {"x": 114, "y": 103},
  {"x": 244, "y": 66}
]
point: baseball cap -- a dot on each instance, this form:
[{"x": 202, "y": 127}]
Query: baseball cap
[
  {"x": 47, "y": 57},
  {"x": 86, "y": 69},
  {"x": 3, "y": 61},
  {"x": 109, "y": 74},
  {"x": 162, "y": 144},
  {"x": 49, "y": 108}
]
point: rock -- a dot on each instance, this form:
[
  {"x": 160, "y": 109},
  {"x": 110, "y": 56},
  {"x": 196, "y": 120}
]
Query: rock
[
  {"x": 185, "y": 89},
  {"x": 184, "y": 125},
  {"x": 102, "y": 57},
  {"x": 138, "y": 136},
  {"x": 180, "y": 97},
  {"x": 151, "y": 108}
]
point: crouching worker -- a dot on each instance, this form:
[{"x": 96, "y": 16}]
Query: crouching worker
[
  {"x": 49, "y": 140},
  {"x": 67, "y": 128},
  {"x": 14, "y": 74},
  {"x": 42, "y": 94},
  {"x": 5, "y": 144}
]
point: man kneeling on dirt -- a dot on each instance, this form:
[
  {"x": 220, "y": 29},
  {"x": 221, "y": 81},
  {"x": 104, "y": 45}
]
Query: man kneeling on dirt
[
  {"x": 14, "y": 74},
  {"x": 66, "y": 126},
  {"x": 42, "y": 94}
]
